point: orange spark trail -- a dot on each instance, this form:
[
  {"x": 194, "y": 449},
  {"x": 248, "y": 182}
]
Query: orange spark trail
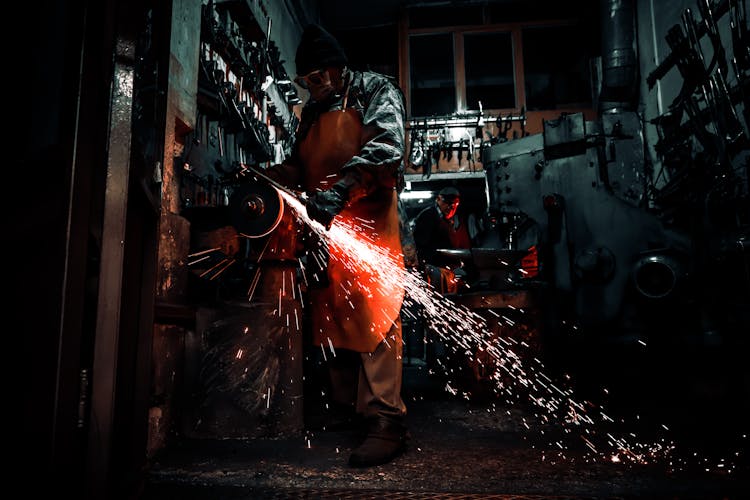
[{"x": 466, "y": 332}]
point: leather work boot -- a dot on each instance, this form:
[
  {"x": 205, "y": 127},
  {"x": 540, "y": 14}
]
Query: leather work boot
[{"x": 386, "y": 439}]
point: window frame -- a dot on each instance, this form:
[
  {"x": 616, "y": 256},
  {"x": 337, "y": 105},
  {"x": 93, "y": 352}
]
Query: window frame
[{"x": 457, "y": 33}]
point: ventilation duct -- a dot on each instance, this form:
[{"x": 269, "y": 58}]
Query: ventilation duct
[{"x": 619, "y": 61}]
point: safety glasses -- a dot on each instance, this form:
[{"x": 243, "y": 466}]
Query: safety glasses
[{"x": 311, "y": 79}]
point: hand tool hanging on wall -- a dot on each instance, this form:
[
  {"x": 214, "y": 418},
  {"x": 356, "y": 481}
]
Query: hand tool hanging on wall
[
  {"x": 462, "y": 147},
  {"x": 735, "y": 132},
  {"x": 427, "y": 148},
  {"x": 447, "y": 146},
  {"x": 671, "y": 60},
  {"x": 437, "y": 148},
  {"x": 719, "y": 58},
  {"x": 728, "y": 130},
  {"x": 503, "y": 127},
  {"x": 693, "y": 74},
  {"x": 417, "y": 153},
  {"x": 433, "y": 156},
  {"x": 470, "y": 153},
  {"x": 740, "y": 31}
]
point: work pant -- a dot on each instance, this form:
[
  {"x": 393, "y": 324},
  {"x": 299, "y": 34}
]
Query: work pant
[{"x": 371, "y": 382}]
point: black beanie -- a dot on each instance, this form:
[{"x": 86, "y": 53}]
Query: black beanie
[
  {"x": 449, "y": 193},
  {"x": 318, "y": 49}
]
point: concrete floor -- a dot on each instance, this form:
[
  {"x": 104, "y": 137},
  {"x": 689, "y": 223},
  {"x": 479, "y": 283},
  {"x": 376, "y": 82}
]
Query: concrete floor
[{"x": 460, "y": 449}]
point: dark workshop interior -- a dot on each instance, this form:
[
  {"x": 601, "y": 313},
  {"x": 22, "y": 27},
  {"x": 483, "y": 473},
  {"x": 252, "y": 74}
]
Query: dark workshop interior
[{"x": 596, "y": 343}]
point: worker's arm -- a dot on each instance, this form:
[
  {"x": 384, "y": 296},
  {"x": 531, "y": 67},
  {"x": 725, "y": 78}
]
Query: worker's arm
[{"x": 378, "y": 163}]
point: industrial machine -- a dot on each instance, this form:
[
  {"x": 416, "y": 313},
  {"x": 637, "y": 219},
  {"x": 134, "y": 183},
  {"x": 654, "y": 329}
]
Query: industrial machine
[{"x": 635, "y": 247}]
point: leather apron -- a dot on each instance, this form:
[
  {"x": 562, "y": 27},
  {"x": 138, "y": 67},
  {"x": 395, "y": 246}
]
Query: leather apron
[{"x": 350, "y": 311}]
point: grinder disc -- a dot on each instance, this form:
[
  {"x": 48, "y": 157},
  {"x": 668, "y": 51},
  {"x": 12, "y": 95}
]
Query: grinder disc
[{"x": 256, "y": 209}]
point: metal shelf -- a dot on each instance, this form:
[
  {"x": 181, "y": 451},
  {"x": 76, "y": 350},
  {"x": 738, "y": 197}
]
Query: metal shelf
[{"x": 444, "y": 176}]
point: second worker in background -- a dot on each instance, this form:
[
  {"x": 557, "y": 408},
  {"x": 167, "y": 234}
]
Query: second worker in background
[{"x": 438, "y": 229}]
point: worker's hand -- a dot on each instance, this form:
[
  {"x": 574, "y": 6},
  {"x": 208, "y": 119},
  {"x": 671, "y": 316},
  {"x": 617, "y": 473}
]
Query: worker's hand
[
  {"x": 323, "y": 206},
  {"x": 458, "y": 278}
]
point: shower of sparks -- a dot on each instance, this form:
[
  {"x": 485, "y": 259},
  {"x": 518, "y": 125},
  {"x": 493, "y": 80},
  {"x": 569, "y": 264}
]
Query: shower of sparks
[
  {"x": 224, "y": 262},
  {"x": 203, "y": 252},
  {"x": 324, "y": 352},
  {"x": 468, "y": 333},
  {"x": 330, "y": 345},
  {"x": 253, "y": 285},
  {"x": 224, "y": 268},
  {"x": 205, "y": 257}
]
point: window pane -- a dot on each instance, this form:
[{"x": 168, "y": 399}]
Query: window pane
[
  {"x": 556, "y": 67},
  {"x": 488, "y": 58},
  {"x": 433, "y": 89}
]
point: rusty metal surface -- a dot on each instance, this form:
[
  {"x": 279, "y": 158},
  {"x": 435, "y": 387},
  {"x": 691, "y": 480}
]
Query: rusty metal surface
[
  {"x": 174, "y": 246},
  {"x": 105, "y": 392}
]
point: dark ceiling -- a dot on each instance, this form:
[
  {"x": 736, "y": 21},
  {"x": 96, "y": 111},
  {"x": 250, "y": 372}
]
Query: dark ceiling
[{"x": 348, "y": 14}]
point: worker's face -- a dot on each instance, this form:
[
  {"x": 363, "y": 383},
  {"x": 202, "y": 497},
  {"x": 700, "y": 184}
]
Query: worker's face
[
  {"x": 319, "y": 83},
  {"x": 448, "y": 207}
]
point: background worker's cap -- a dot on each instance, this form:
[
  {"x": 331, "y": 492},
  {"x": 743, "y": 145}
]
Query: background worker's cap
[{"x": 449, "y": 193}]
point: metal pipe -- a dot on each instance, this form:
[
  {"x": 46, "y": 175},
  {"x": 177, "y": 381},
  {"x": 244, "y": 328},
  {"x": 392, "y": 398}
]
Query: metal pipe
[{"x": 619, "y": 64}]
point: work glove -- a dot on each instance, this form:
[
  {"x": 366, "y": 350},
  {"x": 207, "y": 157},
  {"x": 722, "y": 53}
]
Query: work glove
[
  {"x": 460, "y": 274},
  {"x": 323, "y": 206}
]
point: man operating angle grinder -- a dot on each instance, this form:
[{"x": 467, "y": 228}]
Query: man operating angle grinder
[{"x": 347, "y": 158}]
